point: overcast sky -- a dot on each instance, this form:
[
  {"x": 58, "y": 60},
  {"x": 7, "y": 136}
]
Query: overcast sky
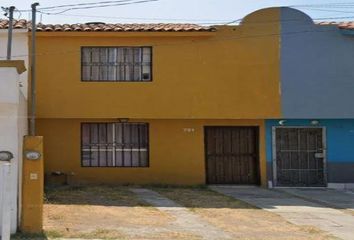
[{"x": 195, "y": 11}]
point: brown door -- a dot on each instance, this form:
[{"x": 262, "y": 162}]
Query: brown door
[
  {"x": 232, "y": 155},
  {"x": 299, "y": 157}
]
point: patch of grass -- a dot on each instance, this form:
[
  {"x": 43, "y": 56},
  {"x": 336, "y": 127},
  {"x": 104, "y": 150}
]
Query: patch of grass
[
  {"x": 56, "y": 217},
  {"x": 195, "y": 197},
  {"x": 176, "y": 236},
  {"x": 21, "y": 236},
  {"x": 351, "y": 212},
  {"x": 97, "y": 234},
  {"x": 316, "y": 231},
  {"x": 93, "y": 195},
  {"x": 37, "y": 236},
  {"x": 170, "y": 186},
  {"x": 101, "y": 234},
  {"x": 53, "y": 234}
]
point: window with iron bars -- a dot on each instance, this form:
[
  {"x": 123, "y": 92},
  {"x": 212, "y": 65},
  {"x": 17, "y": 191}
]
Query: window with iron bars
[
  {"x": 131, "y": 64},
  {"x": 114, "y": 145}
]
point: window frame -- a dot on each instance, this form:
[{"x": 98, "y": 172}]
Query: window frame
[
  {"x": 119, "y": 81},
  {"x": 147, "y": 145}
]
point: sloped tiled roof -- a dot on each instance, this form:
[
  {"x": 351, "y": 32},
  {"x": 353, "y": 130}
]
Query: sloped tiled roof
[
  {"x": 142, "y": 27},
  {"x": 107, "y": 27},
  {"x": 18, "y": 24},
  {"x": 341, "y": 25}
]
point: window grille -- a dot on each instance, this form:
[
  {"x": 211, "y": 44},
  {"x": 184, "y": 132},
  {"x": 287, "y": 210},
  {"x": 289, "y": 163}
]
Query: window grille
[
  {"x": 114, "y": 145},
  {"x": 116, "y": 64}
]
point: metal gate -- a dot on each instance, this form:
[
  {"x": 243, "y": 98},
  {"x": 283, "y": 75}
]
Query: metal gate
[
  {"x": 299, "y": 156},
  {"x": 232, "y": 155}
]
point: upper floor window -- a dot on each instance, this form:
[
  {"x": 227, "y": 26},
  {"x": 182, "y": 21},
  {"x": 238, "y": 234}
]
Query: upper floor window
[{"x": 116, "y": 64}]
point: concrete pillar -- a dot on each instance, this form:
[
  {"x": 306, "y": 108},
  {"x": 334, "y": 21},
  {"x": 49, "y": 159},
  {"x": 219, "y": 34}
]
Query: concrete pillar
[{"x": 32, "y": 185}]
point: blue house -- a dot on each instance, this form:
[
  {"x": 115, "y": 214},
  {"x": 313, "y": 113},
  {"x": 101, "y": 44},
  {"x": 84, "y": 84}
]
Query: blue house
[{"x": 312, "y": 145}]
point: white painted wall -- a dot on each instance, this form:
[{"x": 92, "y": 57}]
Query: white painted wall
[
  {"x": 13, "y": 113},
  {"x": 5, "y": 200},
  {"x": 13, "y": 126},
  {"x": 19, "y": 52}
]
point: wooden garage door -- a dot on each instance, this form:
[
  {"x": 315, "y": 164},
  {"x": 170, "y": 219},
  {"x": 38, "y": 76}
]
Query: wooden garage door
[
  {"x": 299, "y": 157},
  {"x": 232, "y": 155}
]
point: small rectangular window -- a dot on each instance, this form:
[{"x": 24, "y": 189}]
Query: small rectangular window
[
  {"x": 116, "y": 64},
  {"x": 114, "y": 145}
]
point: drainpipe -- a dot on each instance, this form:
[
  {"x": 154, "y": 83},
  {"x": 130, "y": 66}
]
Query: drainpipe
[
  {"x": 9, "y": 36},
  {"x": 33, "y": 72}
]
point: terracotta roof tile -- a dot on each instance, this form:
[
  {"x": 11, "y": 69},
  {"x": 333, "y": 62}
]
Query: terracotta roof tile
[
  {"x": 346, "y": 25},
  {"x": 340, "y": 25},
  {"x": 106, "y": 27},
  {"x": 17, "y": 24},
  {"x": 117, "y": 27}
]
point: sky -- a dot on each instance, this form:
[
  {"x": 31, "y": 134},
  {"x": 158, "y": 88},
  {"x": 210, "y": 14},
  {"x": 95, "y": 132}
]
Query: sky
[{"x": 208, "y": 12}]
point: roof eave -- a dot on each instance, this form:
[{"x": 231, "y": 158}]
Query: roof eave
[
  {"x": 15, "y": 31},
  {"x": 348, "y": 32},
  {"x": 127, "y": 34}
]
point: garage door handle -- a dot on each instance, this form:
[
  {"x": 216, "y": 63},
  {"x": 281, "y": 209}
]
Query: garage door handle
[{"x": 319, "y": 155}]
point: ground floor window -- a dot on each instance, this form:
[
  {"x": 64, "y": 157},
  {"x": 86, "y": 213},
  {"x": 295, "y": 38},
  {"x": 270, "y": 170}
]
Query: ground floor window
[{"x": 114, "y": 145}]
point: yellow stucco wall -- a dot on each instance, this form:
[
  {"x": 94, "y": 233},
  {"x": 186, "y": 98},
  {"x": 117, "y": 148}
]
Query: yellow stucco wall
[
  {"x": 176, "y": 156},
  {"x": 232, "y": 73},
  {"x": 32, "y": 187},
  {"x": 230, "y": 77}
]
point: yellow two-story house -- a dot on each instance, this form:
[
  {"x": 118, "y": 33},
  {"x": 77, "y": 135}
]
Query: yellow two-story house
[{"x": 157, "y": 103}]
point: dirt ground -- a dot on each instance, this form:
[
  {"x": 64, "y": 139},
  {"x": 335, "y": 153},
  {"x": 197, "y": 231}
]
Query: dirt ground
[
  {"x": 108, "y": 212},
  {"x": 101, "y": 212},
  {"x": 243, "y": 221}
]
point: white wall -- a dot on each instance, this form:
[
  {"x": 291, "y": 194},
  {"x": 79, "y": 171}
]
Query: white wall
[
  {"x": 19, "y": 52},
  {"x": 13, "y": 113},
  {"x": 22, "y": 121}
]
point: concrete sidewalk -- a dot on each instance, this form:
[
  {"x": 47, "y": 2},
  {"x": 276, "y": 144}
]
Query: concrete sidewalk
[
  {"x": 333, "y": 198},
  {"x": 184, "y": 219},
  {"x": 294, "y": 209}
]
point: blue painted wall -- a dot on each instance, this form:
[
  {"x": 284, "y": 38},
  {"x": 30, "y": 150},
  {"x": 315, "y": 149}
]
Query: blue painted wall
[
  {"x": 340, "y": 146},
  {"x": 317, "y": 69},
  {"x": 340, "y": 137}
]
